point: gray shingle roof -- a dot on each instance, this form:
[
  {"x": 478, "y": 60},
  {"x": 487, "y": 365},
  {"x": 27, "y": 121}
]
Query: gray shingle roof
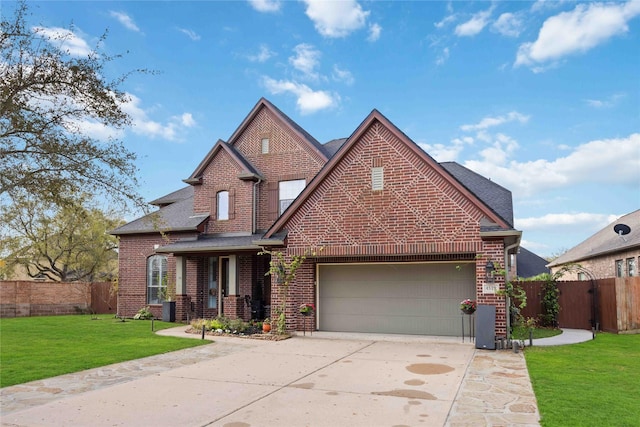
[
  {"x": 212, "y": 243},
  {"x": 177, "y": 195},
  {"x": 530, "y": 264},
  {"x": 177, "y": 216},
  {"x": 604, "y": 241},
  {"x": 496, "y": 197},
  {"x": 333, "y": 146}
]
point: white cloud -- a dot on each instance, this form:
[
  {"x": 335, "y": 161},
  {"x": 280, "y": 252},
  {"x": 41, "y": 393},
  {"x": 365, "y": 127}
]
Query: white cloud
[
  {"x": 191, "y": 34},
  {"x": 508, "y": 24},
  {"x": 442, "y": 58},
  {"x": 344, "y": 76},
  {"x": 488, "y": 122},
  {"x": 263, "y": 56},
  {"x": 501, "y": 149},
  {"x": 125, "y": 20},
  {"x": 93, "y": 129},
  {"x": 590, "y": 220},
  {"x": 605, "y": 103},
  {"x": 336, "y": 18},
  {"x": 474, "y": 25},
  {"x": 143, "y": 125},
  {"x": 445, "y": 21},
  {"x": 308, "y": 100},
  {"x": 446, "y": 153},
  {"x": 187, "y": 120},
  {"x": 608, "y": 161},
  {"x": 266, "y": 5},
  {"x": 577, "y": 31},
  {"x": 542, "y": 5},
  {"x": 306, "y": 60},
  {"x": 374, "y": 32},
  {"x": 64, "y": 39}
]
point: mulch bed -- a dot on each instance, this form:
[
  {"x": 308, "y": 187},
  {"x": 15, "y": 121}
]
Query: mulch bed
[{"x": 256, "y": 336}]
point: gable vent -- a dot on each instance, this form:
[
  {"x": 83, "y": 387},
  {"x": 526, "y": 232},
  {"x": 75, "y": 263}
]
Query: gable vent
[{"x": 377, "y": 179}]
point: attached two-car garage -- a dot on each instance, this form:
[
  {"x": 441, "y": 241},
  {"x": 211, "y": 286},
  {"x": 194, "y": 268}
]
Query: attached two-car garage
[{"x": 394, "y": 298}]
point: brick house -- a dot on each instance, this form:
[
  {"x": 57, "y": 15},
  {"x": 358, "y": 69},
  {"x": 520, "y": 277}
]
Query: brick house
[
  {"x": 614, "y": 251},
  {"x": 398, "y": 239}
]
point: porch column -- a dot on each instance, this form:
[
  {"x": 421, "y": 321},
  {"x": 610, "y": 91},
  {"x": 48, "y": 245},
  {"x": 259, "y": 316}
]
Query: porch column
[
  {"x": 182, "y": 303},
  {"x": 181, "y": 276}
]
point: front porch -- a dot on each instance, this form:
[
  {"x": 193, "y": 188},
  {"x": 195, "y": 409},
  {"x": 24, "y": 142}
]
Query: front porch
[{"x": 224, "y": 276}]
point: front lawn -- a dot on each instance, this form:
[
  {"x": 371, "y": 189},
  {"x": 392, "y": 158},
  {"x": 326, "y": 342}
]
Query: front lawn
[
  {"x": 596, "y": 383},
  {"x": 522, "y": 333},
  {"x": 33, "y": 348}
]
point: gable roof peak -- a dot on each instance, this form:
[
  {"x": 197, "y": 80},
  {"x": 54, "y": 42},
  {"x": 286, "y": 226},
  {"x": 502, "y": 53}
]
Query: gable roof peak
[
  {"x": 374, "y": 116},
  {"x": 263, "y": 102},
  {"x": 248, "y": 170}
]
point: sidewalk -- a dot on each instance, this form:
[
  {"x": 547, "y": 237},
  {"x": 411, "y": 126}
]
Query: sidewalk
[{"x": 568, "y": 336}]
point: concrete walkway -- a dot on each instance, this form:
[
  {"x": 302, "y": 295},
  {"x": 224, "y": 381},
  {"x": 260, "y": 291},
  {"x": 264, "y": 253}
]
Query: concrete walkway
[
  {"x": 568, "y": 336},
  {"x": 313, "y": 380}
]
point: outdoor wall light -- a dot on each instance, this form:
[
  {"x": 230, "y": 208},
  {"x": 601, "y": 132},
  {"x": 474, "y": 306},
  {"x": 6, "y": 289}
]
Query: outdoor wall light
[{"x": 489, "y": 269}]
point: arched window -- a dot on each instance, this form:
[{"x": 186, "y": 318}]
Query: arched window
[
  {"x": 156, "y": 278},
  {"x": 223, "y": 205}
]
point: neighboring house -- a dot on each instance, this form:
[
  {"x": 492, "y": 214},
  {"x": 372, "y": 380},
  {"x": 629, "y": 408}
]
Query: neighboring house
[
  {"x": 608, "y": 253},
  {"x": 399, "y": 239},
  {"x": 530, "y": 264}
]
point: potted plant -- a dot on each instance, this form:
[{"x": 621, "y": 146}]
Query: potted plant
[
  {"x": 266, "y": 325},
  {"x": 307, "y": 309},
  {"x": 468, "y": 306}
]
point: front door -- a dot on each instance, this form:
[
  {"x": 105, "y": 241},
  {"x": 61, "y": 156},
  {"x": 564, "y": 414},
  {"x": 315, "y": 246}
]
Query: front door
[
  {"x": 212, "y": 294},
  {"x": 224, "y": 282}
]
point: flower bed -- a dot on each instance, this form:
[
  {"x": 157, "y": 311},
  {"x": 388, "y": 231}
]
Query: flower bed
[{"x": 253, "y": 336}]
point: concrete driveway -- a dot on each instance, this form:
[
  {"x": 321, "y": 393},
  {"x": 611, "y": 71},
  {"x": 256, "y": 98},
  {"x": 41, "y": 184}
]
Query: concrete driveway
[{"x": 296, "y": 382}]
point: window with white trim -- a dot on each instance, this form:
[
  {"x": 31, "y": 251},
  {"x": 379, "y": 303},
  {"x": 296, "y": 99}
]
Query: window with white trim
[
  {"x": 288, "y": 191},
  {"x": 264, "y": 145},
  {"x": 156, "y": 278},
  {"x": 222, "y": 205}
]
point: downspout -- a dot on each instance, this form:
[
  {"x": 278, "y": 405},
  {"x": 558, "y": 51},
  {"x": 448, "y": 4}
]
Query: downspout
[
  {"x": 507, "y": 278},
  {"x": 254, "y": 216}
]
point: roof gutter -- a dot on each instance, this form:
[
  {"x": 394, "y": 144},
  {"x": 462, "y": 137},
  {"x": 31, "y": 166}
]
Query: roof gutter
[
  {"x": 511, "y": 237},
  {"x": 168, "y": 250}
]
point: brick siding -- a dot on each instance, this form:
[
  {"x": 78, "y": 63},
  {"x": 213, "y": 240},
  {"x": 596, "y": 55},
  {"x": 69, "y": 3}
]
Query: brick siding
[{"x": 418, "y": 213}]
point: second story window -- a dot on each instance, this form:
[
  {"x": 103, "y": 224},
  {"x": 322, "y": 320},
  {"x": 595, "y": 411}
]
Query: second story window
[
  {"x": 264, "y": 146},
  {"x": 288, "y": 191},
  {"x": 222, "y": 205}
]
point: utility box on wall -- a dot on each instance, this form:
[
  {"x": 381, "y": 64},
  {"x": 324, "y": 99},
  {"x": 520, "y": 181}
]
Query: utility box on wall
[{"x": 486, "y": 327}]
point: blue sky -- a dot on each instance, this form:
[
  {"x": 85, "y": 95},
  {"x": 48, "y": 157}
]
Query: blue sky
[{"x": 541, "y": 97}]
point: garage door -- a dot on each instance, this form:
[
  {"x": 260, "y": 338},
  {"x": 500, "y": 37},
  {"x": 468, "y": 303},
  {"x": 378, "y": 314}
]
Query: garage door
[{"x": 415, "y": 298}]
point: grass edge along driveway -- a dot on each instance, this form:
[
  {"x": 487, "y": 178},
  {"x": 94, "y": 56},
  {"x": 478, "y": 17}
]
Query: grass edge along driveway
[
  {"x": 596, "y": 383},
  {"x": 33, "y": 348}
]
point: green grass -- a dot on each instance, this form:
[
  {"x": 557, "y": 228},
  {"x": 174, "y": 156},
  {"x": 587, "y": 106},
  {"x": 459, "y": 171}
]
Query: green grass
[
  {"x": 33, "y": 348},
  {"x": 521, "y": 333},
  {"x": 596, "y": 383}
]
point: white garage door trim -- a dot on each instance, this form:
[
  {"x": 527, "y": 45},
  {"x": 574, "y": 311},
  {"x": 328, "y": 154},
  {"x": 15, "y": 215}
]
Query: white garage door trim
[{"x": 386, "y": 297}]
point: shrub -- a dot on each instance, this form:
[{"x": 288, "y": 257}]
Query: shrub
[{"x": 143, "y": 314}]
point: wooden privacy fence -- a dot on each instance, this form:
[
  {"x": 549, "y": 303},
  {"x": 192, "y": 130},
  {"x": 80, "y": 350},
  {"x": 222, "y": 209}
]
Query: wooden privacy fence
[
  {"x": 613, "y": 304},
  {"x": 23, "y": 298}
]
